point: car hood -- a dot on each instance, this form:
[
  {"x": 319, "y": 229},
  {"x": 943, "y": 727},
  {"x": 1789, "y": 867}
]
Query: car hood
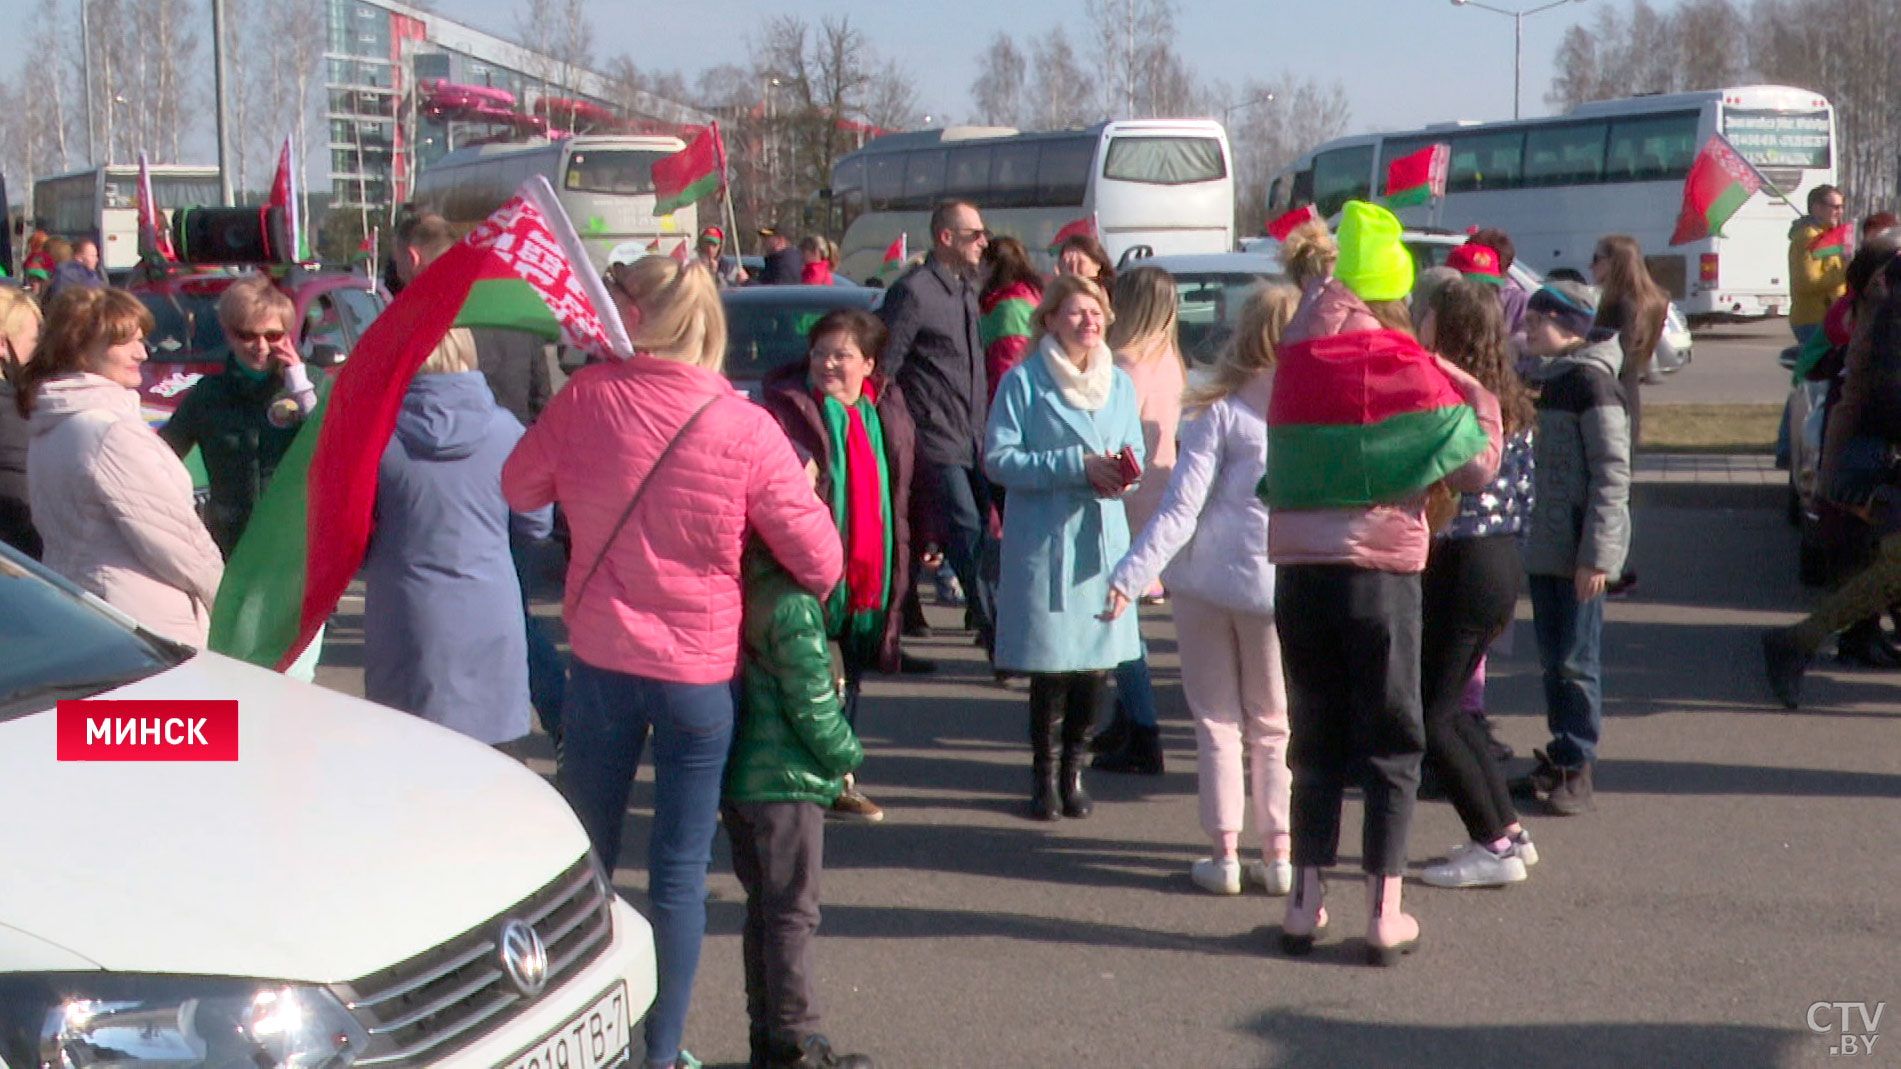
[{"x": 347, "y": 837}]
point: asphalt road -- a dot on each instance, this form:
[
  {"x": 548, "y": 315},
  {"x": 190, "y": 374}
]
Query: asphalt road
[{"x": 1732, "y": 363}]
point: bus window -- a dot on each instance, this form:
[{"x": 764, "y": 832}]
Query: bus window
[
  {"x": 923, "y": 179},
  {"x": 1303, "y": 192},
  {"x": 1165, "y": 161},
  {"x": 848, "y": 190},
  {"x": 1567, "y": 155},
  {"x": 967, "y": 174},
  {"x": 1013, "y": 176},
  {"x": 886, "y": 181},
  {"x": 1646, "y": 148},
  {"x": 1062, "y": 172},
  {"x": 612, "y": 170},
  {"x": 1486, "y": 161},
  {"x": 1340, "y": 176}
]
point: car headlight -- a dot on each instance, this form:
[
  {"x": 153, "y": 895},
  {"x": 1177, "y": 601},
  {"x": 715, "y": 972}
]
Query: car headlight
[{"x": 70, "y": 1021}]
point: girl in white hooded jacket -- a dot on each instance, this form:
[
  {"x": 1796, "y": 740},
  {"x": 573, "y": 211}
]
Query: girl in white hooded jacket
[
  {"x": 112, "y": 502},
  {"x": 1208, "y": 542}
]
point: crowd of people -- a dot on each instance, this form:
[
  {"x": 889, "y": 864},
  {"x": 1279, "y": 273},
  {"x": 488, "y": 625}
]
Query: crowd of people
[{"x": 1341, "y": 517}]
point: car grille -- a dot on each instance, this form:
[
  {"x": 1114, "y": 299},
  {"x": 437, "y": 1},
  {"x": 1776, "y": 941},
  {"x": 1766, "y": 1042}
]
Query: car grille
[{"x": 444, "y": 999}]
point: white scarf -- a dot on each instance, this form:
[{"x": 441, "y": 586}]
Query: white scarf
[{"x": 1087, "y": 390}]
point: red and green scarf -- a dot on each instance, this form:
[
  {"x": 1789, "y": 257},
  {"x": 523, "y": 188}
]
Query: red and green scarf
[{"x": 861, "y": 506}]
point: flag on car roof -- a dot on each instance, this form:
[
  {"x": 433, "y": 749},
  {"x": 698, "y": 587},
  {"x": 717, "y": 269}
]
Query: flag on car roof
[
  {"x": 1279, "y": 227},
  {"x": 284, "y": 194},
  {"x": 1832, "y": 243},
  {"x": 1363, "y": 418},
  {"x": 1720, "y": 180},
  {"x": 1417, "y": 177},
  {"x": 696, "y": 171},
  {"x": 155, "y": 241},
  {"x": 517, "y": 270},
  {"x": 1085, "y": 226}
]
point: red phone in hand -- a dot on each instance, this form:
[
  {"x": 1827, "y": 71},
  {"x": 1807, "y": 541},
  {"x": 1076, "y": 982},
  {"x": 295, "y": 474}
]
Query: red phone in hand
[{"x": 1129, "y": 467}]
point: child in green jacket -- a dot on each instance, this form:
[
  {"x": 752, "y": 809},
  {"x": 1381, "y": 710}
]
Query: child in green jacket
[{"x": 791, "y": 751}]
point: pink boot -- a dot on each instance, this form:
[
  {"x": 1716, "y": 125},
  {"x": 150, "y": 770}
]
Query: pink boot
[
  {"x": 1306, "y": 915},
  {"x": 1390, "y": 931}
]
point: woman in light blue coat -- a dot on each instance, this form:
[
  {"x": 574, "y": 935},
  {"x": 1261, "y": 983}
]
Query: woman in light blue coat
[
  {"x": 1057, "y": 423},
  {"x": 443, "y": 636}
]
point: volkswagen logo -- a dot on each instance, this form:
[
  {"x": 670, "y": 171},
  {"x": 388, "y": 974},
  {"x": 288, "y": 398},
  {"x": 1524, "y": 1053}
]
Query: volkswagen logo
[{"x": 524, "y": 958}]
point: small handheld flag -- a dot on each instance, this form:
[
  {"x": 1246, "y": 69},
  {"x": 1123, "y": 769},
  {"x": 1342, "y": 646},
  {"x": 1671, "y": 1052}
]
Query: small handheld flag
[
  {"x": 1832, "y": 243},
  {"x": 1281, "y": 226},
  {"x": 155, "y": 242},
  {"x": 1418, "y": 177},
  {"x": 696, "y": 171},
  {"x": 1085, "y": 226}
]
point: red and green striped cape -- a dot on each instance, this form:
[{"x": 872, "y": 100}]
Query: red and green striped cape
[
  {"x": 523, "y": 269},
  {"x": 1360, "y": 419}
]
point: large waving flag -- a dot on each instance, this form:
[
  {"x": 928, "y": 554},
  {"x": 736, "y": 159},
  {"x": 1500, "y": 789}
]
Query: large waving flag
[
  {"x": 284, "y": 194},
  {"x": 155, "y": 239},
  {"x": 1720, "y": 180},
  {"x": 696, "y": 171},
  {"x": 308, "y": 534},
  {"x": 1363, "y": 418}
]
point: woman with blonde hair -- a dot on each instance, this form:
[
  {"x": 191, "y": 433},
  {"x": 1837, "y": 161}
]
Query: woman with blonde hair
[
  {"x": 662, "y": 468},
  {"x": 1056, "y": 427},
  {"x": 19, "y": 336},
  {"x": 1144, "y": 340},
  {"x": 111, "y": 501},
  {"x": 1309, "y": 253},
  {"x": 443, "y": 634},
  {"x": 1209, "y": 542}
]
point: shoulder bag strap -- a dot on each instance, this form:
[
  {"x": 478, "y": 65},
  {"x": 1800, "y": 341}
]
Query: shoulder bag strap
[{"x": 640, "y": 491}]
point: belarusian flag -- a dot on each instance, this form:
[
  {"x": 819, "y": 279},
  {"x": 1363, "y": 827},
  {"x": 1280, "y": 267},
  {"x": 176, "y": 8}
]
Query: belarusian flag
[
  {"x": 894, "y": 256},
  {"x": 1281, "y": 226},
  {"x": 155, "y": 240},
  {"x": 307, "y": 536},
  {"x": 284, "y": 195},
  {"x": 1720, "y": 180},
  {"x": 1417, "y": 177},
  {"x": 1363, "y": 418},
  {"x": 1085, "y": 226},
  {"x": 698, "y": 170},
  {"x": 1833, "y": 243}
]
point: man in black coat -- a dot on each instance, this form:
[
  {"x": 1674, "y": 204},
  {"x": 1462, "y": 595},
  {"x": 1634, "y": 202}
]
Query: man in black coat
[
  {"x": 934, "y": 354},
  {"x": 784, "y": 265}
]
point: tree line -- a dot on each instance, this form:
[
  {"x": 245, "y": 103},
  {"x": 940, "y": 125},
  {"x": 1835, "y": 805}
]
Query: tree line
[{"x": 1841, "y": 49}]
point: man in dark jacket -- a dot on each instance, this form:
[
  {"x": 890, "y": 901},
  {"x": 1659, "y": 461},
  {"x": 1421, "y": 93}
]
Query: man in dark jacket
[
  {"x": 935, "y": 356},
  {"x": 81, "y": 271},
  {"x": 784, "y": 265}
]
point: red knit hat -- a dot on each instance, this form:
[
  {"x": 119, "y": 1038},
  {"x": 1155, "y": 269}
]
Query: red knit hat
[{"x": 1478, "y": 263}]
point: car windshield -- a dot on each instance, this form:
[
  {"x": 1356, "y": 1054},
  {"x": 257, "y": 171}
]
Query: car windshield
[
  {"x": 62, "y": 643},
  {"x": 185, "y": 328},
  {"x": 762, "y": 335},
  {"x": 1208, "y": 307}
]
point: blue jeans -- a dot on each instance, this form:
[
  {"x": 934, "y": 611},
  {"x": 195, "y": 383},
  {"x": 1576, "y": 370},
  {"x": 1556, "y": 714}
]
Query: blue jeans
[
  {"x": 547, "y": 671},
  {"x": 958, "y": 490},
  {"x": 605, "y": 726},
  {"x": 1135, "y": 697},
  {"x": 1570, "y": 633}
]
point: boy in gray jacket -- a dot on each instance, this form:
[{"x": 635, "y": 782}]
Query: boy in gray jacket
[{"x": 1579, "y": 531}]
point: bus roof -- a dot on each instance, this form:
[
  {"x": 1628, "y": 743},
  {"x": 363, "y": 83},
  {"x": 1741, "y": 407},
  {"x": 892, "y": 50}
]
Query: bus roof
[
  {"x": 192, "y": 170},
  {"x": 535, "y": 146},
  {"x": 954, "y": 134}
]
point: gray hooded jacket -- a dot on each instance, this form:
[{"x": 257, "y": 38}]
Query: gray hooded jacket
[{"x": 1580, "y": 513}]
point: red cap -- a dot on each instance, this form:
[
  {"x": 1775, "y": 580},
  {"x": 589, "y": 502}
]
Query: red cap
[
  {"x": 1477, "y": 262},
  {"x": 712, "y": 233}
]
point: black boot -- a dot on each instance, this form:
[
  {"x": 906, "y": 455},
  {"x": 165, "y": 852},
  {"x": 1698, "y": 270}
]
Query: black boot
[
  {"x": 1114, "y": 737},
  {"x": 1080, "y": 710},
  {"x": 1046, "y": 711},
  {"x": 1863, "y": 644},
  {"x": 1140, "y": 755}
]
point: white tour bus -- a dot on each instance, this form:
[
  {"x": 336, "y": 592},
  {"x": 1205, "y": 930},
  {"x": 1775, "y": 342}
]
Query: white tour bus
[
  {"x": 102, "y": 203},
  {"x": 605, "y": 183},
  {"x": 1610, "y": 167},
  {"x": 1163, "y": 183}
]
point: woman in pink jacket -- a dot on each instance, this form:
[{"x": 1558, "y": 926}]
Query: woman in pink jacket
[
  {"x": 111, "y": 500},
  {"x": 661, "y": 468}
]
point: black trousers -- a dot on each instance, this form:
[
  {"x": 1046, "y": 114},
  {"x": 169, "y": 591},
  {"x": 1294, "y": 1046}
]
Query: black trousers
[
  {"x": 1062, "y": 706},
  {"x": 1350, "y": 647},
  {"x": 778, "y": 854},
  {"x": 1470, "y": 588}
]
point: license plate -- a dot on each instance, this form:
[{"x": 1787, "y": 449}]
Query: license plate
[{"x": 595, "y": 1038}]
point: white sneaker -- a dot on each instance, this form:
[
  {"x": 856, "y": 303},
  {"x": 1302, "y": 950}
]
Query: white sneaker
[
  {"x": 1217, "y": 876},
  {"x": 1524, "y": 850},
  {"x": 1475, "y": 866},
  {"x": 1276, "y": 877}
]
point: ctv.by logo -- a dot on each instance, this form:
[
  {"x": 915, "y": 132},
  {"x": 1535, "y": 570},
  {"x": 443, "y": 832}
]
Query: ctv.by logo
[{"x": 1823, "y": 1018}]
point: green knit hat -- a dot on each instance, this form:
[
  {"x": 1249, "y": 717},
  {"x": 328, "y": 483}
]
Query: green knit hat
[{"x": 1373, "y": 263}]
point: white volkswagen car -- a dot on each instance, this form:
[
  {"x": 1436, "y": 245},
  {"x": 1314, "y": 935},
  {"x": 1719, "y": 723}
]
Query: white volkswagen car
[{"x": 358, "y": 888}]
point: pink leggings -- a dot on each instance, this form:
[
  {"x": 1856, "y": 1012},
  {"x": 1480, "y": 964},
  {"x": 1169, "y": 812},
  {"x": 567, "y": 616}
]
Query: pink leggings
[{"x": 1231, "y": 676}]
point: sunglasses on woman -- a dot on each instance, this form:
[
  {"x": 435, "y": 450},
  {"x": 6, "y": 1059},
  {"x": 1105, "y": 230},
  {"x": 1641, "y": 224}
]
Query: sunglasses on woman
[{"x": 249, "y": 336}]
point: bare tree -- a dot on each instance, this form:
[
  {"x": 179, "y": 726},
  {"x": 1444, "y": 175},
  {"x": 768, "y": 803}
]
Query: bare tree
[
  {"x": 1062, "y": 95},
  {"x": 1711, "y": 49},
  {"x": 1002, "y": 81},
  {"x": 47, "y": 106},
  {"x": 240, "y": 87},
  {"x": 1135, "y": 42},
  {"x": 1267, "y": 135},
  {"x": 890, "y": 100}
]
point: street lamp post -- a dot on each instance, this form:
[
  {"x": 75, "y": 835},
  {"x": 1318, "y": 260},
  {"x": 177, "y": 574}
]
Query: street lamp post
[
  {"x": 1518, "y": 38},
  {"x": 1232, "y": 108}
]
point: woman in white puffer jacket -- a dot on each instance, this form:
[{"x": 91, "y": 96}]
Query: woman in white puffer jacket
[
  {"x": 111, "y": 500},
  {"x": 1209, "y": 544}
]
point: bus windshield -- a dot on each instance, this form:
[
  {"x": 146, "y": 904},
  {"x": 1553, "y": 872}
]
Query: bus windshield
[
  {"x": 1165, "y": 161},
  {"x": 612, "y": 170}
]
